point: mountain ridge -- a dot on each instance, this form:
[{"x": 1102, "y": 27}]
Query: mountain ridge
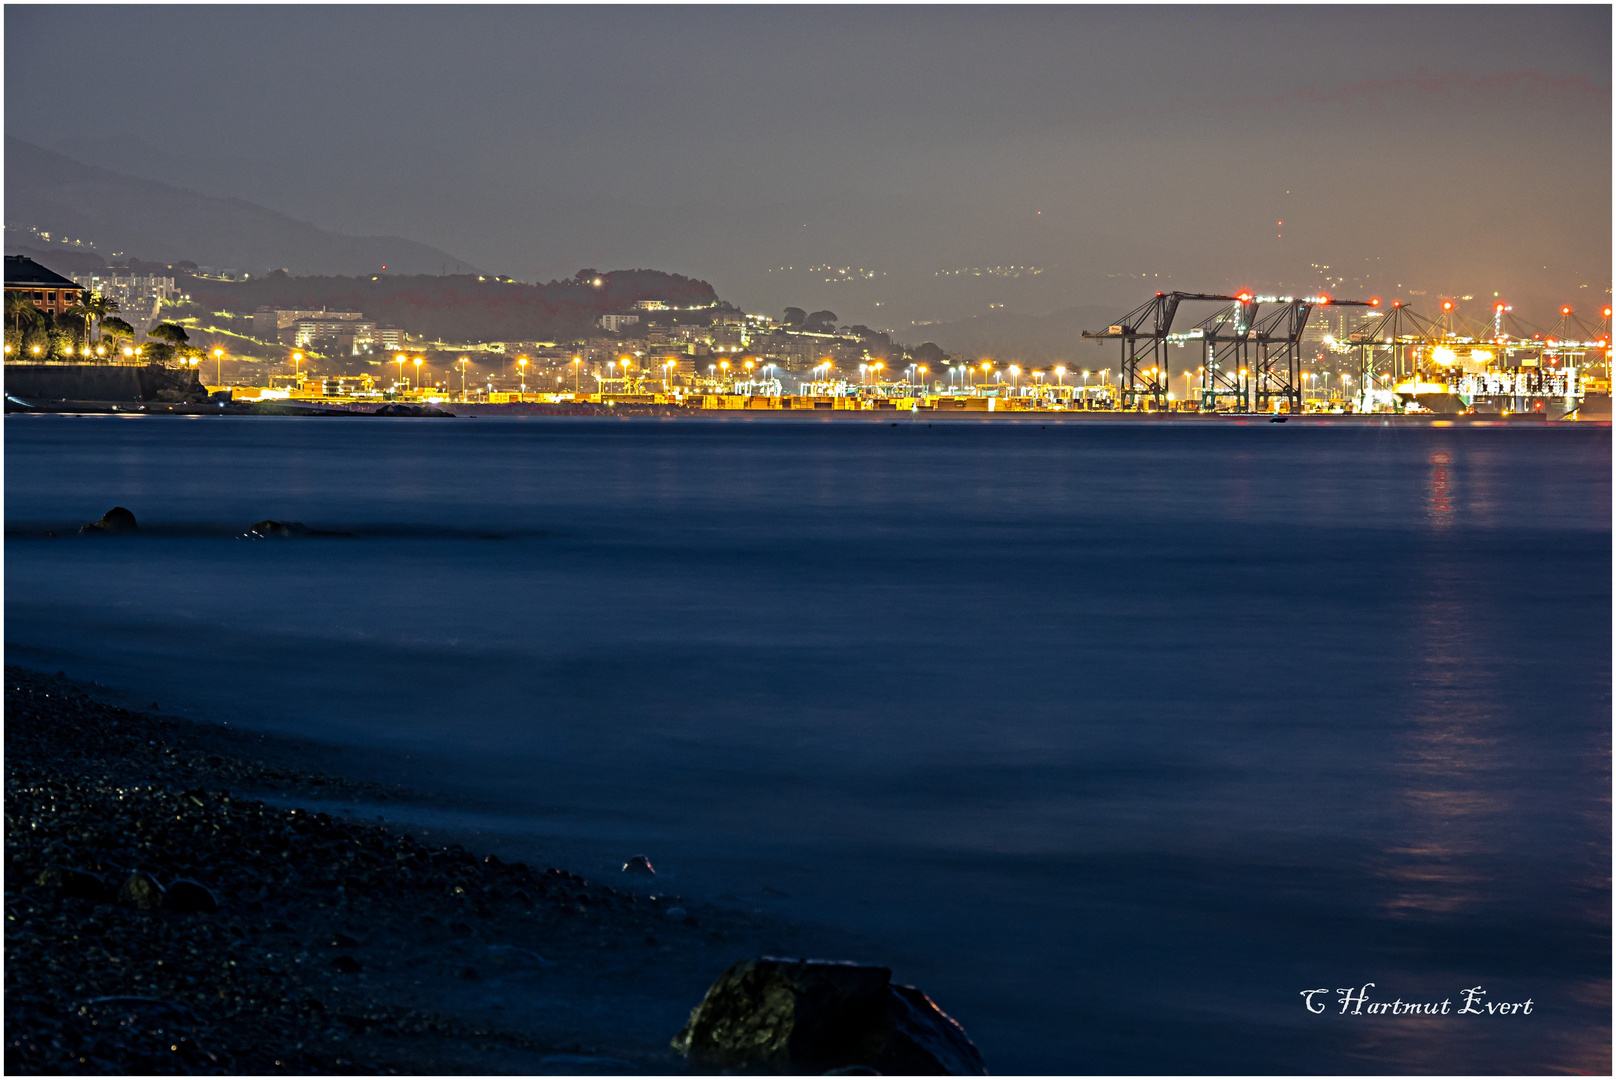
[{"x": 51, "y": 191}]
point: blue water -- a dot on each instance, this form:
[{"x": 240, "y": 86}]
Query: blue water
[{"x": 1112, "y": 737}]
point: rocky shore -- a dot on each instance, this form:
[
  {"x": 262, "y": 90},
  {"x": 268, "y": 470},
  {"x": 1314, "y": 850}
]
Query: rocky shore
[{"x": 157, "y": 923}]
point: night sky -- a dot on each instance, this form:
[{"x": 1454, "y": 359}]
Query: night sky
[{"x": 1423, "y": 151}]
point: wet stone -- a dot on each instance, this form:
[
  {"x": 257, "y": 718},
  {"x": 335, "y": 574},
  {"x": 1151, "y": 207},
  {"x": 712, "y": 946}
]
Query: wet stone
[
  {"x": 796, "y": 1016},
  {"x": 141, "y": 890},
  {"x": 82, "y": 884}
]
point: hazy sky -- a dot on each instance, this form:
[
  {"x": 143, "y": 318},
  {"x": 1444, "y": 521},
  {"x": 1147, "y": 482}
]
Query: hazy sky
[{"x": 1450, "y": 149}]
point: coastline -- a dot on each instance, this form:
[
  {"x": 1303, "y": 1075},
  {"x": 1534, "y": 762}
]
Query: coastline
[
  {"x": 338, "y": 945},
  {"x": 472, "y": 410}
]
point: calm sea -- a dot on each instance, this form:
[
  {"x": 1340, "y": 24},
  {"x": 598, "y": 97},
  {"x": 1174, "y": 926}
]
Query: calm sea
[{"x": 1113, "y": 737}]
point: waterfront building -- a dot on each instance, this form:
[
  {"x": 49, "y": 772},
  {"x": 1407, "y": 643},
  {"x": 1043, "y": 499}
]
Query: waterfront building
[{"x": 48, "y": 290}]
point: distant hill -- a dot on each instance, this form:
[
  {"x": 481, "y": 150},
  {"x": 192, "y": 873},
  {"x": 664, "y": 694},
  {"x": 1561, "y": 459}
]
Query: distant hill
[
  {"x": 1032, "y": 338},
  {"x": 460, "y": 307},
  {"x": 51, "y": 192}
]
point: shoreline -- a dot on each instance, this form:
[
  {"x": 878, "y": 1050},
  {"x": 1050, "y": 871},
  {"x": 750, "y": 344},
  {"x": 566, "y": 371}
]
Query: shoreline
[
  {"x": 473, "y": 410},
  {"x": 338, "y": 944}
]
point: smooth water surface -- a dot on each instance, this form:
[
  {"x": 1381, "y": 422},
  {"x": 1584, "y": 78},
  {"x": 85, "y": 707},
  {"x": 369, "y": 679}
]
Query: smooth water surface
[{"x": 1114, "y": 738}]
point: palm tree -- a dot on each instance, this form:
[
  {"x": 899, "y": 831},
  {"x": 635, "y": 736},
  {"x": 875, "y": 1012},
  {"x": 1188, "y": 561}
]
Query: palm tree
[
  {"x": 81, "y": 310},
  {"x": 92, "y": 307},
  {"x": 20, "y": 309}
]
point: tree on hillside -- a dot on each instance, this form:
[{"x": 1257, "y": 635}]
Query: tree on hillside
[
  {"x": 170, "y": 333},
  {"x": 928, "y": 352},
  {"x": 822, "y": 322},
  {"x": 795, "y": 316}
]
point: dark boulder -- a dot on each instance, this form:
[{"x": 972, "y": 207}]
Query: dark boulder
[
  {"x": 347, "y": 965},
  {"x": 188, "y": 897},
  {"x": 114, "y": 521},
  {"x": 800, "y": 1016},
  {"x": 639, "y": 865},
  {"x": 140, "y": 890},
  {"x": 77, "y": 883}
]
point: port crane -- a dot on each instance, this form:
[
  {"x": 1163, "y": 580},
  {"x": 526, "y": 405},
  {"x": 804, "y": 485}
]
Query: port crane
[{"x": 1250, "y": 358}]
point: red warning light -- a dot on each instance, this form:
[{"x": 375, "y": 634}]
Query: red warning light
[
  {"x": 1500, "y": 307},
  {"x": 1565, "y": 311},
  {"x": 1324, "y": 298},
  {"x": 1374, "y": 301},
  {"x": 1397, "y": 303},
  {"x": 1607, "y": 313},
  {"x": 1245, "y": 296},
  {"x": 1447, "y": 305}
]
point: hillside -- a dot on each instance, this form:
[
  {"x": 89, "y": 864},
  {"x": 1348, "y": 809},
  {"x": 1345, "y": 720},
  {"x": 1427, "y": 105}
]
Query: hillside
[
  {"x": 1035, "y": 339},
  {"x": 460, "y": 307},
  {"x": 123, "y": 214}
]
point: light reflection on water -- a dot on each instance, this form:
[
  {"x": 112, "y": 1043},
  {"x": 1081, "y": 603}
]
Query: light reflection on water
[{"x": 1066, "y": 720}]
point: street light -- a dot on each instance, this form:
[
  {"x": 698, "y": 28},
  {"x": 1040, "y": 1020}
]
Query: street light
[
  {"x": 218, "y": 367},
  {"x": 297, "y": 365},
  {"x": 399, "y": 360},
  {"x": 576, "y": 361},
  {"x": 417, "y": 362},
  {"x": 521, "y": 362},
  {"x": 462, "y": 362}
]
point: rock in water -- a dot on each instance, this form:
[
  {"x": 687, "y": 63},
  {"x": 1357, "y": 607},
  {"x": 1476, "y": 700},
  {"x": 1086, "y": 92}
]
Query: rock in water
[
  {"x": 142, "y": 891},
  {"x": 116, "y": 520},
  {"x": 640, "y": 865},
  {"x": 189, "y": 897},
  {"x": 925, "y": 1039},
  {"x": 801, "y": 1016},
  {"x": 399, "y": 409},
  {"x": 276, "y": 530}
]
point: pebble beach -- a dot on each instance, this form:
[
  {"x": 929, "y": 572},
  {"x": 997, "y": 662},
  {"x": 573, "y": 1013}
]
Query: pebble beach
[{"x": 158, "y": 923}]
